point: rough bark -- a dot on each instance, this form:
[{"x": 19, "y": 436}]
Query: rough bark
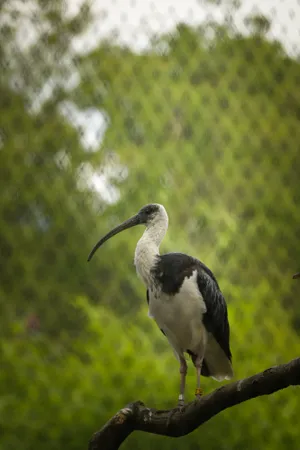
[{"x": 175, "y": 423}]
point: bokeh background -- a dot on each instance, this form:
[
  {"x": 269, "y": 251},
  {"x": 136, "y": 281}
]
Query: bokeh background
[{"x": 111, "y": 105}]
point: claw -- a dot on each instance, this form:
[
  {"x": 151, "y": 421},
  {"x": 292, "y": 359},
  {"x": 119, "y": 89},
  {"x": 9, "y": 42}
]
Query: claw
[
  {"x": 179, "y": 408},
  {"x": 180, "y": 404}
]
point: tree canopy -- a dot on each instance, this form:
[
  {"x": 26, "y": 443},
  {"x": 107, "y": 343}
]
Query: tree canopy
[{"x": 206, "y": 123}]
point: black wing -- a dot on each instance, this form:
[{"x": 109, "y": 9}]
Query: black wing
[
  {"x": 172, "y": 268},
  {"x": 216, "y": 318}
]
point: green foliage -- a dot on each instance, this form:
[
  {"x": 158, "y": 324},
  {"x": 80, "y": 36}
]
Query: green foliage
[
  {"x": 205, "y": 122},
  {"x": 43, "y": 212},
  {"x": 212, "y": 126},
  {"x": 59, "y": 394}
]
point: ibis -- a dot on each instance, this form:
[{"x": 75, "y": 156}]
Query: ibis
[{"x": 184, "y": 299}]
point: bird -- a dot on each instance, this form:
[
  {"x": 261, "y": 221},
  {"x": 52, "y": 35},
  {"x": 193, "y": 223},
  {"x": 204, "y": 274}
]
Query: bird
[
  {"x": 297, "y": 275},
  {"x": 184, "y": 299}
]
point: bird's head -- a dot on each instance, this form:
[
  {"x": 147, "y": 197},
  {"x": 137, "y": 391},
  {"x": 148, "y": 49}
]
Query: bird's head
[
  {"x": 297, "y": 275},
  {"x": 152, "y": 214},
  {"x": 149, "y": 215}
]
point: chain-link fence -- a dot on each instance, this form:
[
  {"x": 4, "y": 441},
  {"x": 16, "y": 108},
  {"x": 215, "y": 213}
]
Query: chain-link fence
[{"x": 107, "y": 107}]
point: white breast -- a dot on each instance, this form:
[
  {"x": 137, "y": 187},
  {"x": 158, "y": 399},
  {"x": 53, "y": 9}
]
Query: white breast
[{"x": 180, "y": 315}]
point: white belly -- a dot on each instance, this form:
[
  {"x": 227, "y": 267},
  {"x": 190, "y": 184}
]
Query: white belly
[{"x": 180, "y": 316}]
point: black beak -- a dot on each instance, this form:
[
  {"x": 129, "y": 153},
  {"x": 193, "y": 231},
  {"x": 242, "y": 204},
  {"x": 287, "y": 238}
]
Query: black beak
[
  {"x": 297, "y": 275},
  {"x": 132, "y": 222}
]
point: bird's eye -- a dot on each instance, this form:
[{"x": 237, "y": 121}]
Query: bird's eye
[{"x": 149, "y": 210}]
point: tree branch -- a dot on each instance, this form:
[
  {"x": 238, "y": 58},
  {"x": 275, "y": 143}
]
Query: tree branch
[{"x": 136, "y": 416}]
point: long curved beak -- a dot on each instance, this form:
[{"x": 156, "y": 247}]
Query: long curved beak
[
  {"x": 297, "y": 275},
  {"x": 129, "y": 223}
]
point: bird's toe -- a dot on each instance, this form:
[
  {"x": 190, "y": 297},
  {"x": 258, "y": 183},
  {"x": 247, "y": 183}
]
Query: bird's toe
[
  {"x": 180, "y": 404},
  {"x": 178, "y": 409}
]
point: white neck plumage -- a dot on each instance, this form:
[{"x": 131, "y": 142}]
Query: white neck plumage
[{"x": 147, "y": 249}]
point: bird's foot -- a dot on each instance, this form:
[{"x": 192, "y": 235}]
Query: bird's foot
[
  {"x": 178, "y": 409},
  {"x": 199, "y": 393},
  {"x": 180, "y": 405}
]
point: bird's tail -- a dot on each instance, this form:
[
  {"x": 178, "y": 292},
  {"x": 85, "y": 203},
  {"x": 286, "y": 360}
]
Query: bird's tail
[{"x": 215, "y": 363}]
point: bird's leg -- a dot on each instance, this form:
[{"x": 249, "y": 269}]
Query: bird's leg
[
  {"x": 183, "y": 371},
  {"x": 198, "y": 364},
  {"x": 180, "y": 405}
]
